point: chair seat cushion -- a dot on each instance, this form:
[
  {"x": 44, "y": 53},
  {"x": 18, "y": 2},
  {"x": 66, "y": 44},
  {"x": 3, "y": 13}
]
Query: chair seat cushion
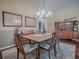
[
  {"x": 45, "y": 46},
  {"x": 49, "y": 41},
  {"x": 29, "y": 47}
]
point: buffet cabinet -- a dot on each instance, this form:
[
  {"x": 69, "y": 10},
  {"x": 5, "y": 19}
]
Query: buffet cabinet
[{"x": 67, "y": 29}]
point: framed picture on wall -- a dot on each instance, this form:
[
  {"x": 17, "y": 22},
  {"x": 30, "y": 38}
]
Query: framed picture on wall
[
  {"x": 30, "y": 21},
  {"x": 11, "y": 19}
]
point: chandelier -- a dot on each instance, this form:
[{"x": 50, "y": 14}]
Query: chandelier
[{"x": 44, "y": 12}]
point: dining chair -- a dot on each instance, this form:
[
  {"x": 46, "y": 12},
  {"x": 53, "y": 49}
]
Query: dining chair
[
  {"x": 24, "y": 49},
  {"x": 49, "y": 45},
  {"x": 1, "y": 55}
]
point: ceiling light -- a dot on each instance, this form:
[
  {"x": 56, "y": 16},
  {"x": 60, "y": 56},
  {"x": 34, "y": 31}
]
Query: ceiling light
[{"x": 44, "y": 11}]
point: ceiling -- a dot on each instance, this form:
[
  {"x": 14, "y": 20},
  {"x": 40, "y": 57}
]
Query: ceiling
[{"x": 52, "y": 4}]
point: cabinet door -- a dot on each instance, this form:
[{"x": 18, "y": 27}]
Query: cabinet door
[{"x": 75, "y": 25}]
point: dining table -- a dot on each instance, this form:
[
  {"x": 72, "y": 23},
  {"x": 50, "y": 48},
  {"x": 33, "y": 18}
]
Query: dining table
[{"x": 38, "y": 38}]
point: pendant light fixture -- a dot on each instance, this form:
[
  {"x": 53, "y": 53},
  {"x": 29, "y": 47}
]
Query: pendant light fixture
[{"x": 44, "y": 12}]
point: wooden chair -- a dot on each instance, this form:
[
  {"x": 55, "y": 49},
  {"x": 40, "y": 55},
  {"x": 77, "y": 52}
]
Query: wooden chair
[
  {"x": 1, "y": 55},
  {"x": 24, "y": 49},
  {"x": 49, "y": 45}
]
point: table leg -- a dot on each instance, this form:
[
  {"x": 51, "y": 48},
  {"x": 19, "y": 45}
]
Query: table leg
[
  {"x": 38, "y": 51},
  {"x": 0, "y": 55}
]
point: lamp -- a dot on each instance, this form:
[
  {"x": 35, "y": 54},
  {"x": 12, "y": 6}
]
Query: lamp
[{"x": 44, "y": 12}]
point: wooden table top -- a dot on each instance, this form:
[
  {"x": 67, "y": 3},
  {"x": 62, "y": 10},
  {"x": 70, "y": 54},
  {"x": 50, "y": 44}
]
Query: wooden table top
[{"x": 38, "y": 37}]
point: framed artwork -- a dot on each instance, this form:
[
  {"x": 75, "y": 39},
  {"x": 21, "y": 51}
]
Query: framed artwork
[
  {"x": 30, "y": 21},
  {"x": 11, "y": 19}
]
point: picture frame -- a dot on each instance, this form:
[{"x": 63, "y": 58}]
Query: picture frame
[
  {"x": 11, "y": 19},
  {"x": 30, "y": 21}
]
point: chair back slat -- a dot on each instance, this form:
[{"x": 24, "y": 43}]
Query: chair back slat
[
  {"x": 53, "y": 39},
  {"x": 19, "y": 44}
]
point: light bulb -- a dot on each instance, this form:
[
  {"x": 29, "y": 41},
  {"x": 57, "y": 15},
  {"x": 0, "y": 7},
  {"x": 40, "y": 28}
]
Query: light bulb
[
  {"x": 47, "y": 15},
  {"x": 38, "y": 13},
  {"x": 50, "y": 13},
  {"x": 43, "y": 12},
  {"x": 41, "y": 15}
]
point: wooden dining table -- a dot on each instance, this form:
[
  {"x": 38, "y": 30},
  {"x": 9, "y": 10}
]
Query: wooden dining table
[{"x": 38, "y": 38}]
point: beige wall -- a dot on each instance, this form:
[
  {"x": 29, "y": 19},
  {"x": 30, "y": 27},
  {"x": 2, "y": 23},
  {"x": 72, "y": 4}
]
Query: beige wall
[
  {"x": 22, "y": 7},
  {"x": 6, "y": 38},
  {"x": 18, "y": 7}
]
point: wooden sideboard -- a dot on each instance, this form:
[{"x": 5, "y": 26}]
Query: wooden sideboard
[
  {"x": 69, "y": 35},
  {"x": 67, "y": 29}
]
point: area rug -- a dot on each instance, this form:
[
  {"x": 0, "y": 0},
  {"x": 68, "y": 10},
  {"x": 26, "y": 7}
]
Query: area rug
[{"x": 65, "y": 52}]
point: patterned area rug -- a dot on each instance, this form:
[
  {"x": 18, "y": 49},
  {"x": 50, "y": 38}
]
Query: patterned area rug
[{"x": 65, "y": 52}]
